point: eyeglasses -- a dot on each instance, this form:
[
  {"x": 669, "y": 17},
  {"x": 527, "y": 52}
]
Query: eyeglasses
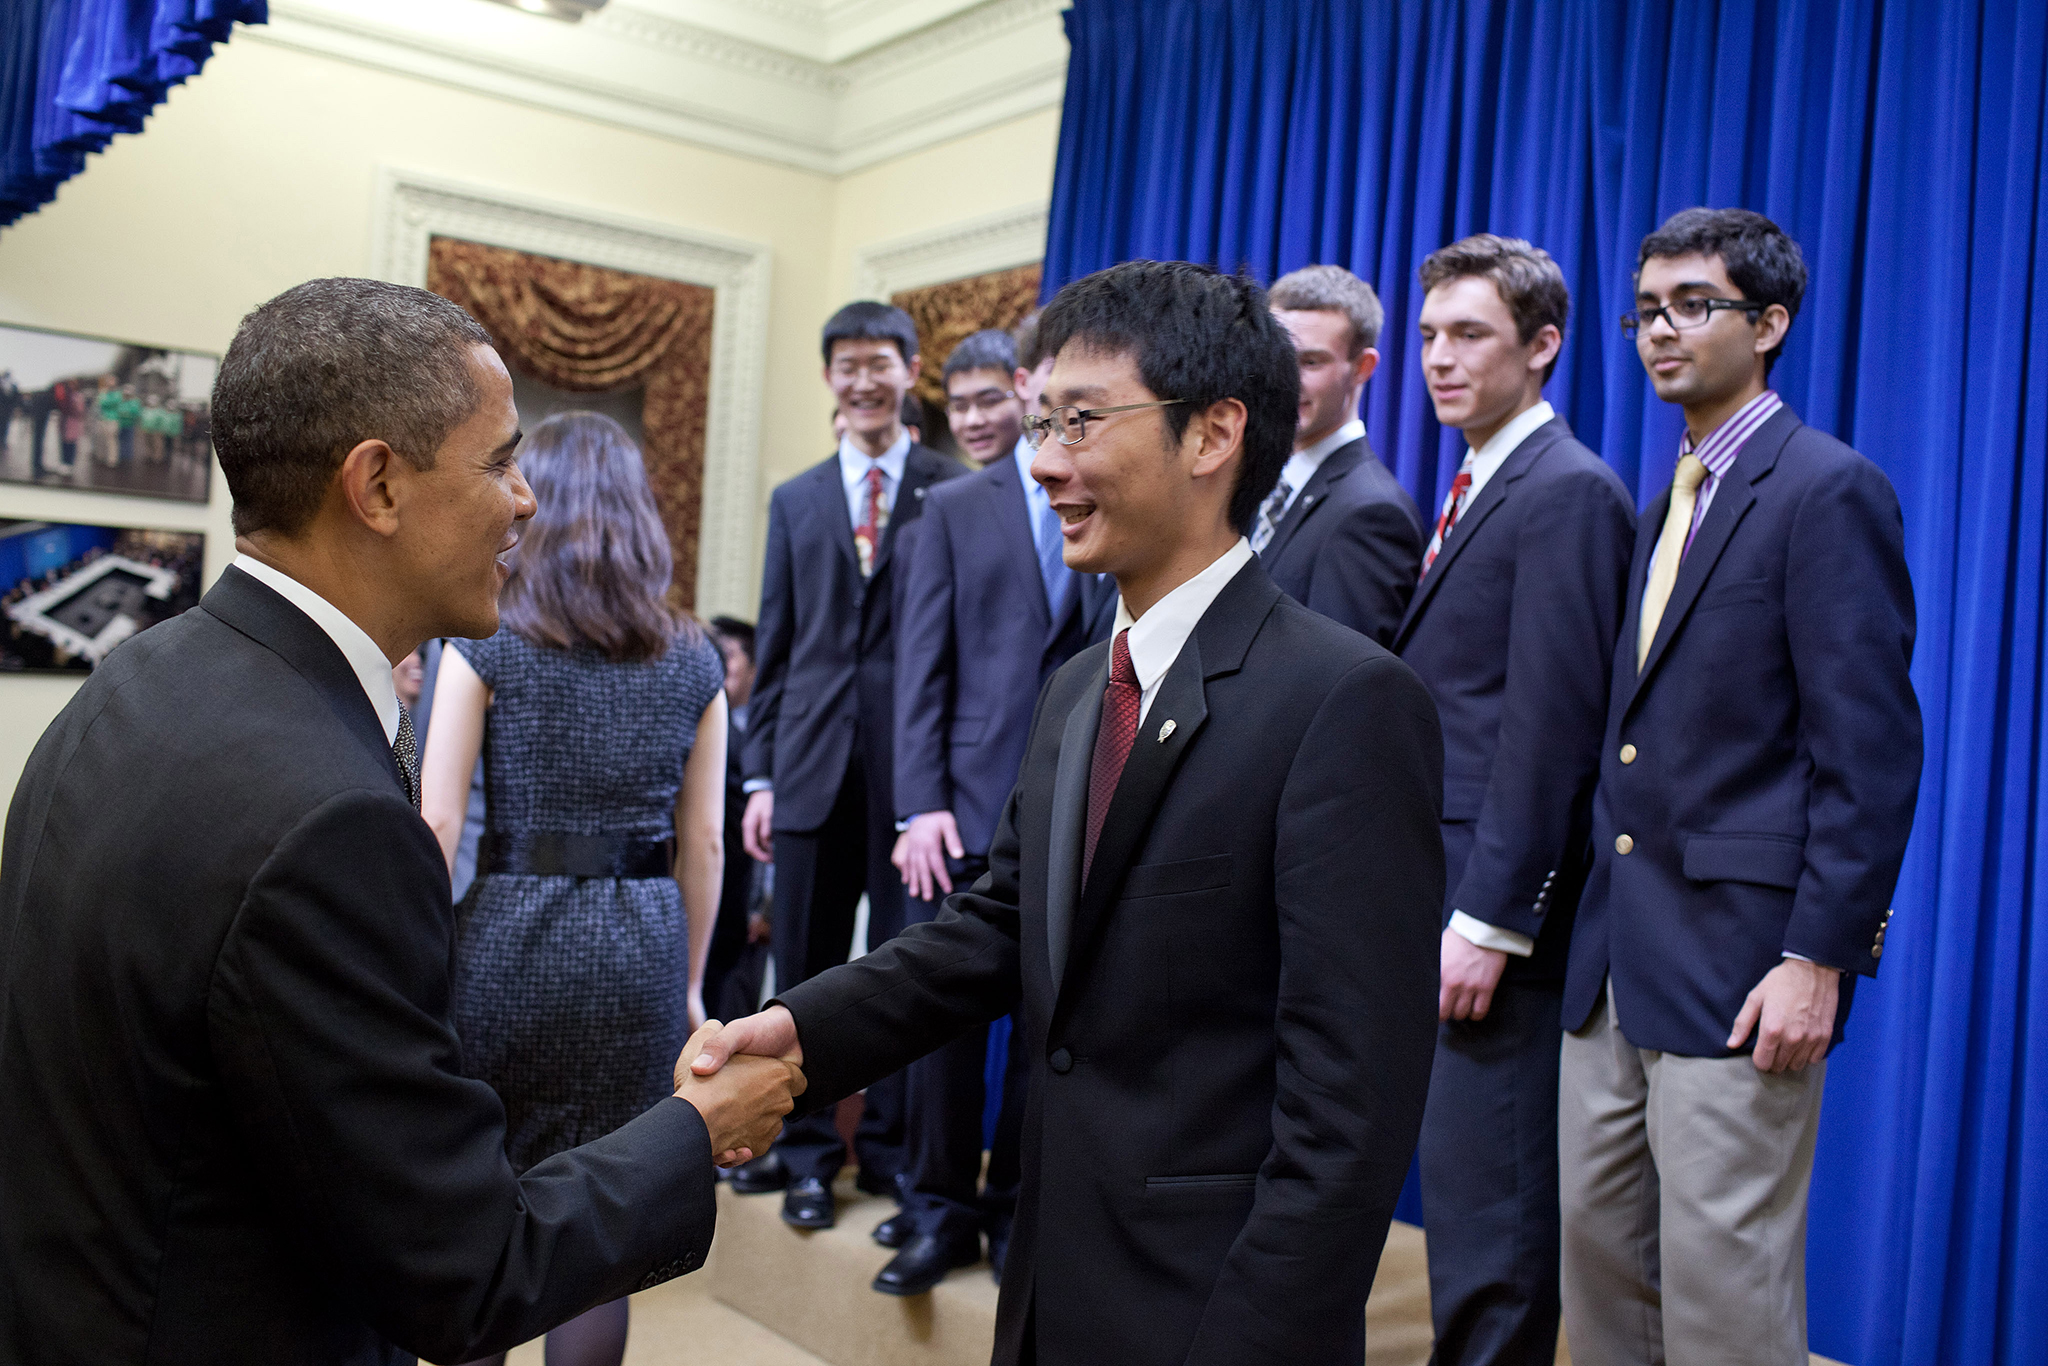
[
  {"x": 1070, "y": 424},
  {"x": 1685, "y": 314},
  {"x": 987, "y": 401}
]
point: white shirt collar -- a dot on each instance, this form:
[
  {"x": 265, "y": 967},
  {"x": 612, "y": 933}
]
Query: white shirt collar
[
  {"x": 854, "y": 462},
  {"x": 373, "y": 670},
  {"x": 1302, "y": 465},
  {"x": 1157, "y": 637},
  {"x": 1490, "y": 457}
]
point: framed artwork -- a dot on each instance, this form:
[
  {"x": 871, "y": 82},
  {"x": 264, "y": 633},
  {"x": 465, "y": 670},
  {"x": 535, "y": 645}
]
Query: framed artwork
[
  {"x": 114, "y": 417},
  {"x": 70, "y": 592}
]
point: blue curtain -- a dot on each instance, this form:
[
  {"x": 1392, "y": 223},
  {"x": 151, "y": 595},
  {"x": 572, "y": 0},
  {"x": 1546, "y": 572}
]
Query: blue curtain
[
  {"x": 73, "y": 73},
  {"x": 1902, "y": 143}
]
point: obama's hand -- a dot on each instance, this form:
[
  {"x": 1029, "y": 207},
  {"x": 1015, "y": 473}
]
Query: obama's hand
[{"x": 743, "y": 1104}]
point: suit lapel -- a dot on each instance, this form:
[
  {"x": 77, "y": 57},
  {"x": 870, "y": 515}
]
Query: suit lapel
[
  {"x": 1335, "y": 466},
  {"x": 1496, "y": 492},
  {"x": 1069, "y": 820},
  {"x": 827, "y": 497},
  {"x": 1013, "y": 515},
  {"x": 920, "y": 469}
]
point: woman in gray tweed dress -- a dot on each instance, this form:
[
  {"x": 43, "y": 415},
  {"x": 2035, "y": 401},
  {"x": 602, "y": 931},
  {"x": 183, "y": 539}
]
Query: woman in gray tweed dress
[{"x": 600, "y": 713}]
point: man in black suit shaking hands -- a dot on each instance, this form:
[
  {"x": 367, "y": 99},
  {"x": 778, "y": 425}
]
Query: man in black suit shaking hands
[
  {"x": 237, "y": 1126},
  {"x": 1212, "y": 899}
]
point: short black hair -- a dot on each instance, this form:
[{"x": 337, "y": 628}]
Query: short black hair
[
  {"x": 867, "y": 320},
  {"x": 991, "y": 349},
  {"x": 1199, "y": 336},
  {"x": 1761, "y": 259},
  {"x": 740, "y": 633},
  {"x": 324, "y": 367}
]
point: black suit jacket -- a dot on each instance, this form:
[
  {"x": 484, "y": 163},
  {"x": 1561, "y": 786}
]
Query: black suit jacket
[
  {"x": 1513, "y": 631},
  {"x": 1229, "y": 1028},
  {"x": 237, "y": 1128},
  {"x": 1350, "y": 545},
  {"x": 975, "y": 642},
  {"x": 825, "y": 644},
  {"x": 1774, "y": 749}
]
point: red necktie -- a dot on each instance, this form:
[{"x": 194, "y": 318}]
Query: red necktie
[
  {"x": 873, "y": 517},
  {"x": 1113, "y": 737},
  {"x": 1449, "y": 518}
]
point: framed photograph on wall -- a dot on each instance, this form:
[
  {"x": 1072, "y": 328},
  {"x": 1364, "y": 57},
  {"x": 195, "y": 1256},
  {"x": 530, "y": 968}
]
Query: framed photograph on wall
[
  {"x": 115, "y": 417},
  {"x": 70, "y": 592}
]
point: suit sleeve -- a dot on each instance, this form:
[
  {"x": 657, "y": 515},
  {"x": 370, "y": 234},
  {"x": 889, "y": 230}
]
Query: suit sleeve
[
  {"x": 1849, "y": 621},
  {"x": 925, "y": 667},
  {"x": 1366, "y": 570},
  {"x": 329, "y": 1021},
  {"x": 1358, "y": 878},
  {"x": 1571, "y": 578},
  {"x": 773, "y": 633}
]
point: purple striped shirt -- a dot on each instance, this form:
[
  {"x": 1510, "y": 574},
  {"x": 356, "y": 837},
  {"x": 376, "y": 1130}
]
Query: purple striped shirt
[{"x": 1719, "y": 450}]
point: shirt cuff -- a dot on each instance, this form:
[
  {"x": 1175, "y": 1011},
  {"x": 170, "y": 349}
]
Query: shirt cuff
[
  {"x": 1802, "y": 958},
  {"x": 904, "y": 824},
  {"x": 753, "y": 785},
  {"x": 1487, "y": 936}
]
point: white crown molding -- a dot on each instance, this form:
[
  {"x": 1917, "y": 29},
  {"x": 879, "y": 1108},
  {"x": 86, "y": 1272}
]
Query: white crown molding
[
  {"x": 976, "y": 246},
  {"x": 412, "y": 208},
  {"x": 753, "y": 87}
]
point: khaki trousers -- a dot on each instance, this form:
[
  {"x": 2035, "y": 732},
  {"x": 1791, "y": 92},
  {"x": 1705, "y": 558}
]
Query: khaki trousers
[{"x": 1683, "y": 1183}]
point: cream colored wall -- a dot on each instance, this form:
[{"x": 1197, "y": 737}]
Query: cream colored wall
[{"x": 260, "y": 174}]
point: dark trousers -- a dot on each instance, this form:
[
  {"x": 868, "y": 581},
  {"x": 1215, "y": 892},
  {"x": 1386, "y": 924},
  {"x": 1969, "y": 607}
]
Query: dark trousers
[
  {"x": 819, "y": 878},
  {"x": 948, "y": 1096},
  {"x": 1489, "y": 1181}
]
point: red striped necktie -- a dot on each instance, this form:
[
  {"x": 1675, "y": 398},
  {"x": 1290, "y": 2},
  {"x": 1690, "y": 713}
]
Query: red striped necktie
[
  {"x": 1449, "y": 517},
  {"x": 1113, "y": 738}
]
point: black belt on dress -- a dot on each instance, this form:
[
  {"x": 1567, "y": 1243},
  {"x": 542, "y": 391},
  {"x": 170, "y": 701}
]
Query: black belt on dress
[{"x": 550, "y": 853}]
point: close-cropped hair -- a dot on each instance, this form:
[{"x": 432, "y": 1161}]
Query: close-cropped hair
[
  {"x": 1199, "y": 336},
  {"x": 1523, "y": 274},
  {"x": 740, "y": 633},
  {"x": 324, "y": 367},
  {"x": 1333, "y": 289},
  {"x": 1029, "y": 355},
  {"x": 867, "y": 320},
  {"x": 1761, "y": 259},
  {"x": 592, "y": 569},
  {"x": 990, "y": 349}
]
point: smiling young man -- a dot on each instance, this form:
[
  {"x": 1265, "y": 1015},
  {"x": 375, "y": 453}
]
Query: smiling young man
[
  {"x": 819, "y": 753},
  {"x": 1512, "y": 629},
  {"x": 237, "y": 1125},
  {"x": 1338, "y": 533},
  {"x": 1211, "y": 899},
  {"x": 1757, "y": 783}
]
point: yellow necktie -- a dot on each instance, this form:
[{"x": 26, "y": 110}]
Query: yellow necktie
[{"x": 1685, "y": 496}]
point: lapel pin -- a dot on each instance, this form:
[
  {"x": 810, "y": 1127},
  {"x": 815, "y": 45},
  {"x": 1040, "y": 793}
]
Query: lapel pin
[
  {"x": 917, "y": 493},
  {"x": 1165, "y": 731}
]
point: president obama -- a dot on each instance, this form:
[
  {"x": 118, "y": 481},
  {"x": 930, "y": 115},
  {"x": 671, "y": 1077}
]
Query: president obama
[{"x": 1213, "y": 896}]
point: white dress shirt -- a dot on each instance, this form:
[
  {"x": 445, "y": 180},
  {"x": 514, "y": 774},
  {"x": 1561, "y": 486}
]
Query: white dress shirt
[
  {"x": 1156, "y": 637},
  {"x": 1303, "y": 464},
  {"x": 1035, "y": 496},
  {"x": 854, "y": 465},
  {"x": 373, "y": 670},
  {"x": 1486, "y": 462}
]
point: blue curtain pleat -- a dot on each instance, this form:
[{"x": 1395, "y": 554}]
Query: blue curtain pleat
[
  {"x": 1903, "y": 143},
  {"x": 74, "y": 74}
]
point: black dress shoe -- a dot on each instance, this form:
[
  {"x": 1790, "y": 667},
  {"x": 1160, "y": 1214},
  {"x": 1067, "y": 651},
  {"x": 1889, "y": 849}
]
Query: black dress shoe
[
  {"x": 874, "y": 1183},
  {"x": 808, "y": 1204},
  {"x": 924, "y": 1262},
  {"x": 760, "y": 1175},
  {"x": 896, "y": 1230}
]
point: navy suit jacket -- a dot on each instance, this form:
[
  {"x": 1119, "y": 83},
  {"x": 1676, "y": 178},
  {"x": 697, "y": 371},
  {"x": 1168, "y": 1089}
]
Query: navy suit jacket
[
  {"x": 825, "y": 642},
  {"x": 1774, "y": 750},
  {"x": 975, "y": 640},
  {"x": 1350, "y": 545},
  {"x": 1512, "y": 630}
]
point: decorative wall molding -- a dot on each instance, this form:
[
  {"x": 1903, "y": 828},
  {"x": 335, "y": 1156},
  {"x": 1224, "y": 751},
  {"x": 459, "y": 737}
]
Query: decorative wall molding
[
  {"x": 754, "y": 87},
  {"x": 412, "y": 208},
  {"x": 997, "y": 241}
]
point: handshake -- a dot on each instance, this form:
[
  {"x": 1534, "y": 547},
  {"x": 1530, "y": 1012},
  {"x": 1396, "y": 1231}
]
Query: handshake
[{"x": 742, "y": 1078}]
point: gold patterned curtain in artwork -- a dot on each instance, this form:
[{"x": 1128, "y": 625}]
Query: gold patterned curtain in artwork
[
  {"x": 592, "y": 330},
  {"x": 948, "y": 314}
]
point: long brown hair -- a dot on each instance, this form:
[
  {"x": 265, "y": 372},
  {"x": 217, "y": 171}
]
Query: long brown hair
[{"x": 592, "y": 568}]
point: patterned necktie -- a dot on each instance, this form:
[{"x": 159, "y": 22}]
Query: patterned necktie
[
  {"x": 1113, "y": 737},
  {"x": 1448, "y": 518},
  {"x": 1685, "y": 496},
  {"x": 1052, "y": 566},
  {"x": 406, "y": 750},
  {"x": 874, "y": 518},
  {"x": 1269, "y": 515}
]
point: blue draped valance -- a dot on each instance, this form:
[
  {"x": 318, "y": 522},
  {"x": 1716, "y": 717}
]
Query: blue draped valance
[{"x": 73, "y": 73}]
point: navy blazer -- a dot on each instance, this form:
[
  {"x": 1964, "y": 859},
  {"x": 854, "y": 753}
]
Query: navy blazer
[
  {"x": 1512, "y": 629},
  {"x": 975, "y": 640},
  {"x": 1772, "y": 750},
  {"x": 1351, "y": 543},
  {"x": 825, "y": 641}
]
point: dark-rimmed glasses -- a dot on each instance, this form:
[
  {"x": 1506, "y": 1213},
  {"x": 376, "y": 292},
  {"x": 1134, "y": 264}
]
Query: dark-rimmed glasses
[
  {"x": 1070, "y": 424},
  {"x": 1685, "y": 314}
]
